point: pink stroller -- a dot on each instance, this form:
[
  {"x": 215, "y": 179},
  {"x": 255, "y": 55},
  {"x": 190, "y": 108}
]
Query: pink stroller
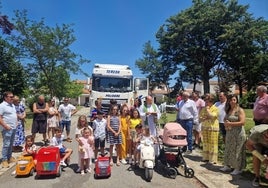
[{"x": 174, "y": 144}]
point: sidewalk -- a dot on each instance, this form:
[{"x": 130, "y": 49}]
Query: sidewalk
[{"x": 212, "y": 177}]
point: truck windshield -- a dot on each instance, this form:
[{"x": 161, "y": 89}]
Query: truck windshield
[{"x": 111, "y": 84}]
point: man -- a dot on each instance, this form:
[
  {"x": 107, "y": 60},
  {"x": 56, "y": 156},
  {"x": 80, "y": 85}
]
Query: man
[
  {"x": 66, "y": 111},
  {"x": 8, "y": 124},
  {"x": 40, "y": 109},
  {"x": 257, "y": 143},
  {"x": 200, "y": 103},
  {"x": 260, "y": 110},
  {"x": 221, "y": 107},
  {"x": 187, "y": 116},
  {"x": 150, "y": 114}
]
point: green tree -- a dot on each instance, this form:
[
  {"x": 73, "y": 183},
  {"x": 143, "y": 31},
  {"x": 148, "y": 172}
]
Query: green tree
[
  {"x": 195, "y": 36},
  {"x": 12, "y": 73},
  {"x": 46, "y": 52},
  {"x": 158, "y": 70}
]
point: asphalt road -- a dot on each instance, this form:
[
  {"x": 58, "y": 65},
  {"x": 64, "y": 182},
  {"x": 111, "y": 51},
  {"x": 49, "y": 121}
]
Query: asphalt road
[{"x": 122, "y": 176}]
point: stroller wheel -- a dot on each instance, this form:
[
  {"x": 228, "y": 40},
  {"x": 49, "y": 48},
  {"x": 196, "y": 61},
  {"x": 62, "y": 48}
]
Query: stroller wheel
[
  {"x": 189, "y": 172},
  {"x": 172, "y": 172}
]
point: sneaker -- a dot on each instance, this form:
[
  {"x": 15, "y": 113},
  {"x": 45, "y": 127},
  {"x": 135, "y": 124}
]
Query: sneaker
[
  {"x": 5, "y": 164},
  {"x": 130, "y": 161},
  {"x": 78, "y": 170},
  {"x": 88, "y": 170},
  {"x": 256, "y": 182},
  {"x": 82, "y": 172},
  {"x": 225, "y": 169},
  {"x": 62, "y": 163},
  {"x": 69, "y": 140},
  {"x": 12, "y": 160},
  {"x": 236, "y": 172},
  {"x": 123, "y": 161},
  {"x": 13, "y": 173}
]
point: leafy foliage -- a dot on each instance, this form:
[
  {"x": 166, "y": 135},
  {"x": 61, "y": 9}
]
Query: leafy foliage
[
  {"x": 47, "y": 54},
  {"x": 12, "y": 73}
]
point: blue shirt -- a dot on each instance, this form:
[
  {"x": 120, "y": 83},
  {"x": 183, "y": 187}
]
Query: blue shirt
[{"x": 9, "y": 115}]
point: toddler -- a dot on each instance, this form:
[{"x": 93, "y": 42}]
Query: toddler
[{"x": 86, "y": 146}]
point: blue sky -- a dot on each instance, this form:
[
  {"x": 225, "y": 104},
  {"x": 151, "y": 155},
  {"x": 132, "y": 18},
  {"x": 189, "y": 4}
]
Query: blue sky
[{"x": 111, "y": 31}]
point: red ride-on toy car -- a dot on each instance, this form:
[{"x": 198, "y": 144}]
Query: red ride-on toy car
[
  {"x": 102, "y": 167},
  {"x": 48, "y": 161}
]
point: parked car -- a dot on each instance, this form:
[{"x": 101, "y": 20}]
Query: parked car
[{"x": 86, "y": 104}]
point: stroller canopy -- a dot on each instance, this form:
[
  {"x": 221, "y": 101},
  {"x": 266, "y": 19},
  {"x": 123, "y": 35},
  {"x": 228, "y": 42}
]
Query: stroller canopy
[{"x": 174, "y": 135}]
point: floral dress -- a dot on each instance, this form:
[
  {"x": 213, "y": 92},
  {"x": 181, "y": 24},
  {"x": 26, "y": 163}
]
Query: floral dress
[
  {"x": 20, "y": 134},
  {"x": 234, "y": 154}
]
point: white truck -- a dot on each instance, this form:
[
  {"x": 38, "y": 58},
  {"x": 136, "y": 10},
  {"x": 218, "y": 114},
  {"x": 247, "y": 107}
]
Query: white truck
[{"x": 111, "y": 81}]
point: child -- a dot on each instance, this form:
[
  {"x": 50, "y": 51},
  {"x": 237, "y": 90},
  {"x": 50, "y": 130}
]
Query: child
[
  {"x": 99, "y": 128},
  {"x": 52, "y": 120},
  {"x": 135, "y": 120},
  {"x": 138, "y": 129},
  {"x": 81, "y": 124},
  {"x": 30, "y": 148},
  {"x": 57, "y": 141},
  {"x": 145, "y": 137},
  {"x": 114, "y": 133},
  {"x": 86, "y": 146}
]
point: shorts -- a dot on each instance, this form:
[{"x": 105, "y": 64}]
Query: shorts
[
  {"x": 66, "y": 124},
  {"x": 99, "y": 143},
  {"x": 39, "y": 126},
  {"x": 197, "y": 127},
  {"x": 62, "y": 150},
  {"x": 222, "y": 129}
]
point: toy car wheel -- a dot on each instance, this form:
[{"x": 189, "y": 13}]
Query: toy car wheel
[
  {"x": 189, "y": 172},
  {"x": 95, "y": 176},
  {"x": 172, "y": 173},
  {"x": 59, "y": 172},
  {"x": 31, "y": 172}
]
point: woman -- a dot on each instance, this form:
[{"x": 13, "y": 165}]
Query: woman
[
  {"x": 52, "y": 120},
  {"x": 210, "y": 130},
  {"x": 124, "y": 118},
  {"x": 20, "y": 135},
  {"x": 234, "y": 154}
]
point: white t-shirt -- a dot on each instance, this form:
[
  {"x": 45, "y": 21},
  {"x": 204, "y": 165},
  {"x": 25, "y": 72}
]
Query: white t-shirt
[{"x": 66, "y": 111}]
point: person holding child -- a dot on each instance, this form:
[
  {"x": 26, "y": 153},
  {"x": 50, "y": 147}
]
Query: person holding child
[
  {"x": 86, "y": 147},
  {"x": 114, "y": 133},
  {"x": 57, "y": 141},
  {"x": 99, "y": 130}
]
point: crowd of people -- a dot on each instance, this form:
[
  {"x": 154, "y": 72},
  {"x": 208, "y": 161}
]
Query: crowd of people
[
  {"x": 203, "y": 118},
  {"x": 208, "y": 118}
]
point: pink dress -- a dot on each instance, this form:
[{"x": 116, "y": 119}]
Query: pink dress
[{"x": 87, "y": 149}]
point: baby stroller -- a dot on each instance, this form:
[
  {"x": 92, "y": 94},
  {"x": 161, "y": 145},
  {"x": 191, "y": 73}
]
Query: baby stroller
[{"x": 173, "y": 145}]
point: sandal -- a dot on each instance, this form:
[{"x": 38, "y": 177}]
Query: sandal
[
  {"x": 117, "y": 163},
  {"x": 111, "y": 163}
]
